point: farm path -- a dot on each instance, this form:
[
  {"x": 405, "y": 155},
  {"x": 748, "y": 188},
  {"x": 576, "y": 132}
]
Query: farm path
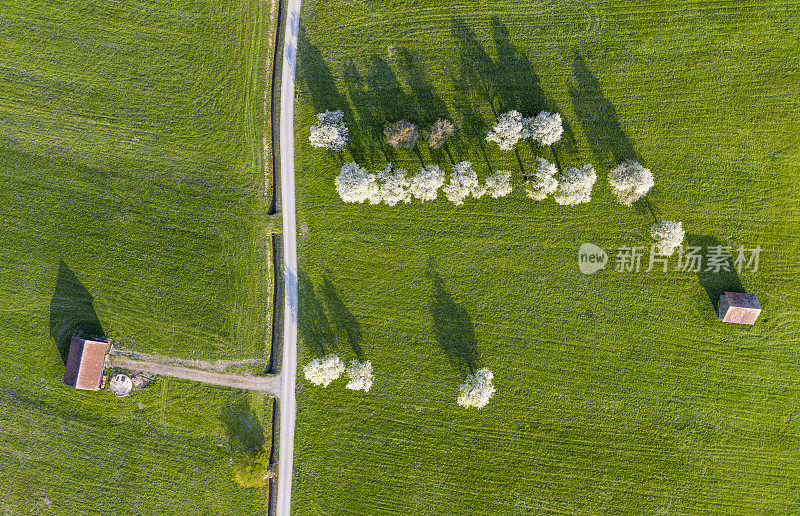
[
  {"x": 217, "y": 366},
  {"x": 268, "y": 384}
]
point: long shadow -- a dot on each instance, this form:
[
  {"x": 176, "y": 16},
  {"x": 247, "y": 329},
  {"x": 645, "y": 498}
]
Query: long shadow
[
  {"x": 313, "y": 324},
  {"x": 473, "y": 127},
  {"x": 245, "y": 433},
  {"x": 344, "y": 323},
  {"x": 316, "y": 75},
  {"x": 430, "y": 106},
  {"x": 72, "y": 311},
  {"x": 370, "y": 122},
  {"x": 452, "y": 327},
  {"x": 391, "y": 99},
  {"x": 608, "y": 140},
  {"x": 715, "y": 283},
  {"x": 476, "y": 67}
]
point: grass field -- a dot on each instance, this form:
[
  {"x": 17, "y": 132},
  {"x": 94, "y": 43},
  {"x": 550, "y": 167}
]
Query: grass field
[
  {"x": 131, "y": 149},
  {"x": 618, "y": 393},
  {"x": 132, "y": 186}
]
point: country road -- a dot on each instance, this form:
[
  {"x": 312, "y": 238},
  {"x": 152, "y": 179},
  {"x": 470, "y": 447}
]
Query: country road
[{"x": 288, "y": 407}]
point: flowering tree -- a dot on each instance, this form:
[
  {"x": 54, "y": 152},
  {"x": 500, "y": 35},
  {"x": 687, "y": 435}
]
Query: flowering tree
[
  {"x": 425, "y": 185},
  {"x": 669, "y": 235},
  {"x": 543, "y": 181},
  {"x": 545, "y": 128},
  {"x": 509, "y": 129},
  {"x": 477, "y": 389},
  {"x": 395, "y": 185},
  {"x": 499, "y": 184},
  {"x": 401, "y": 134},
  {"x": 322, "y": 371},
  {"x": 630, "y": 181},
  {"x": 463, "y": 183},
  {"x": 360, "y": 374},
  {"x": 575, "y": 186},
  {"x": 441, "y": 131},
  {"x": 355, "y": 184},
  {"x": 331, "y": 133}
]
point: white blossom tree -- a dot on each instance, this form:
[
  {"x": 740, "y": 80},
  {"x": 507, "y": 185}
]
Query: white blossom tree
[
  {"x": 425, "y": 185},
  {"x": 331, "y": 131},
  {"x": 543, "y": 181},
  {"x": 355, "y": 184},
  {"x": 477, "y": 389},
  {"x": 668, "y": 235},
  {"x": 463, "y": 183},
  {"x": 322, "y": 371},
  {"x": 499, "y": 184},
  {"x": 575, "y": 186},
  {"x": 630, "y": 181},
  {"x": 509, "y": 129},
  {"x": 545, "y": 128},
  {"x": 360, "y": 374},
  {"x": 395, "y": 185}
]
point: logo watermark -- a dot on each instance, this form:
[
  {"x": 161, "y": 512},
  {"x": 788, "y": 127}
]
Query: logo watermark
[
  {"x": 591, "y": 258},
  {"x": 712, "y": 258}
]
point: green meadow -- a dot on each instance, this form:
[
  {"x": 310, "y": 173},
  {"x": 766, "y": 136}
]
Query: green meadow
[
  {"x": 617, "y": 392},
  {"x": 133, "y": 206}
]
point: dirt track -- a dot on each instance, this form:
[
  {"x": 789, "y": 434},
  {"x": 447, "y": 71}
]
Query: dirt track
[{"x": 269, "y": 384}]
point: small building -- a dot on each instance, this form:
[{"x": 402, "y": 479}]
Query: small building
[
  {"x": 85, "y": 363},
  {"x": 738, "y": 307}
]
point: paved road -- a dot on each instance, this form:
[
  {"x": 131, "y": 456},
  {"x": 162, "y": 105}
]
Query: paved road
[
  {"x": 288, "y": 408},
  {"x": 270, "y": 384}
]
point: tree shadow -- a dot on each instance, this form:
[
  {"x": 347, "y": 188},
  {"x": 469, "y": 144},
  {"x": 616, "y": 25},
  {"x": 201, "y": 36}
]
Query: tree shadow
[
  {"x": 72, "y": 311},
  {"x": 313, "y": 324},
  {"x": 476, "y": 67},
  {"x": 245, "y": 433},
  {"x": 370, "y": 123},
  {"x": 644, "y": 207},
  {"x": 316, "y": 75},
  {"x": 345, "y": 324},
  {"x": 608, "y": 140},
  {"x": 392, "y": 101},
  {"x": 715, "y": 283},
  {"x": 429, "y": 105},
  {"x": 452, "y": 327}
]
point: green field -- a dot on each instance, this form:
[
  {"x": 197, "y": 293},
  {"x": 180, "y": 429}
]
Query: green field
[
  {"x": 132, "y": 186},
  {"x": 617, "y": 393}
]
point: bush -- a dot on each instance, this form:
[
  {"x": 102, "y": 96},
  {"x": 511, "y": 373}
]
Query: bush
[{"x": 254, "y": 469}]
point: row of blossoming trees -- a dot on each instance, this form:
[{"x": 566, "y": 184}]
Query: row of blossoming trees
[
  {"x": 629, "y": 182},
  {"x": 476, "y": 391}
]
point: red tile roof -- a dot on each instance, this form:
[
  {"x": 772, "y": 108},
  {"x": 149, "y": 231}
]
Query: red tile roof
[
  {"x": 85, "y": 364},
  {"x": 738, "y": 307}
]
